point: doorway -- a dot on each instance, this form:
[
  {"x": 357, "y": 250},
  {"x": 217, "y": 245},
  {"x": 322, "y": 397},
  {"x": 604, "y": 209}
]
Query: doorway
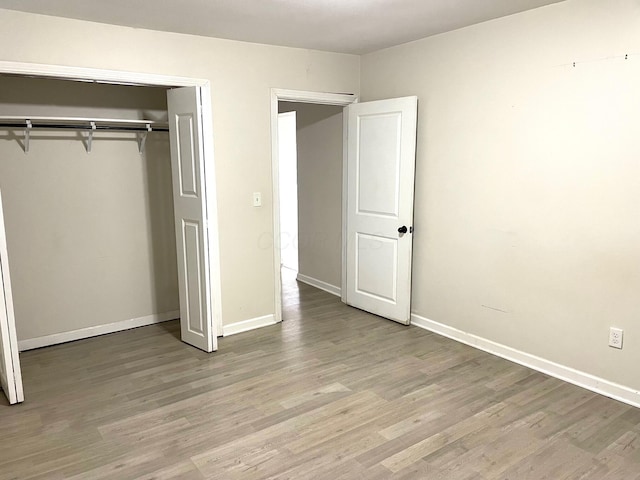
[
  {"x": 379, "y": 146},
  {"x": 194, "y": 125},
  {"x": 311, "y": 188},
  {"x": 298, "y": 101}
]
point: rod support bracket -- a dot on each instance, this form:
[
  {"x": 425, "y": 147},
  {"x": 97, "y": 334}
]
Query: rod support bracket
[
  {"x": 90, "y": 138},
  {"x": 27, "y": 135},
  {"x": 142, "y": 138}
]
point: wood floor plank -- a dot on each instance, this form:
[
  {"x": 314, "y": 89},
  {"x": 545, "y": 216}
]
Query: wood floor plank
[{"x": 331, "y": 393}]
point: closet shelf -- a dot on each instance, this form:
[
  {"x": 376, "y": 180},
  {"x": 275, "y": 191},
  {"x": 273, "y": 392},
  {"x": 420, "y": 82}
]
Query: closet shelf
[{"x": 90, "y": 125}]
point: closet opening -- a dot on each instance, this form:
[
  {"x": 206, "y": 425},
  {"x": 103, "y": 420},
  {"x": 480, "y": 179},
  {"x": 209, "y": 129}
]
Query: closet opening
[
  {"x": 99, "y": 214},
  {"x": 92, "y": 242}
]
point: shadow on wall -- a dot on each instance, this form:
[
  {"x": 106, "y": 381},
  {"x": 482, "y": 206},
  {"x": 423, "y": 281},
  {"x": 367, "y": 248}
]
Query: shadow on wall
[
  {"x": 37, "y": 96},
  {"x": 161, "y": 225}
]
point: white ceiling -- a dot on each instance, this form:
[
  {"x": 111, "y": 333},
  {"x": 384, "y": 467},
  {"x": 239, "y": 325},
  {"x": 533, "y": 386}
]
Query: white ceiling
[{"x": 349, "y": 26}]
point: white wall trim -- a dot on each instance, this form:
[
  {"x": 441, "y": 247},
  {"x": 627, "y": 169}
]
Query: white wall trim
[
  {"x": 345, "y": 200},
  {"x": 590, "y": 382},
  {"x": 321, "y": 98},
  {"x": 300, "y": 96},
  {"x": 246, "y": 325},
  {"x": 88, "y": 332},
  {"x": 98, "y": 75},
  {"x": 314, "y": 282}
]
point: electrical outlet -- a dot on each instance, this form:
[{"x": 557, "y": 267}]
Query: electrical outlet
[{"x": 615, "y": 337}]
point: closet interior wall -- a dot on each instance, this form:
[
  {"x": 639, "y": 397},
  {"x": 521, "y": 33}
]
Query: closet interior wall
[{"x": 90, "y": 235}]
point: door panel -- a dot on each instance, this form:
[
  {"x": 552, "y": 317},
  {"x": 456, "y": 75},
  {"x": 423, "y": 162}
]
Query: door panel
[
  {"x": 187, "y": 168},
  {"x": 191, "y": 240},
  {"x": 10, "y": 374},
  {"x": 380, "y": 178},
  {"x": 378, "y": 164},
  {"x": 375, "y": 256},
  {"x": 190, "y": 208}
]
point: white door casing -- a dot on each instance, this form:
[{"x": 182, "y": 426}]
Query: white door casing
[
  {"x": 190, "y": 208},
  {"x": 381, "y": 151},
  {"x": 10, "y": 373}
]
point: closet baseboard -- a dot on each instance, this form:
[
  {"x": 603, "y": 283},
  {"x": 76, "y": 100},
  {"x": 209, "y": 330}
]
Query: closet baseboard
[
  {"x": 88, "y": 332},
  {"x": 246, "y": 325}
]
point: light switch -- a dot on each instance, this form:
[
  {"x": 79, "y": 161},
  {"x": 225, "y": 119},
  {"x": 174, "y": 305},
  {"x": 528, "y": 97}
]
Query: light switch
[{"x": 257, "y": 199}]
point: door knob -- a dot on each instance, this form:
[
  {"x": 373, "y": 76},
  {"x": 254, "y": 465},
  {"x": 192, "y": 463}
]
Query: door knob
[{"x": 403, "y": 229}]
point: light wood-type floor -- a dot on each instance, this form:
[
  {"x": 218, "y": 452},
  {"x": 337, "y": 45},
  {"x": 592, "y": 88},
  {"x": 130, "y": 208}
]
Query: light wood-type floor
[{"x": 332, "y": 393}]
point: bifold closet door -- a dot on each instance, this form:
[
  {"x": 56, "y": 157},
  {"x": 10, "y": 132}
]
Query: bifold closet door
[
  {"x": 190, "y": 208},
  {"x": 10, "y": 374}
]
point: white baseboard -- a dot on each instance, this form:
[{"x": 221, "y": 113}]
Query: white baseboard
[
  {"x": 314, "y": 282},
  {"x": 246, "y": 325},
  {"x": 590, "y": 382},
  {"x": 81, "y": 333}
]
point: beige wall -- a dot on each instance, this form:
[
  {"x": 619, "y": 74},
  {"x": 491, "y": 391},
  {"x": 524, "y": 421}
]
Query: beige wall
[
  {"x": 90, "y": 236},
  {"x": 527, "y": 190},
  {"x": 241, "y": 76},
  {"x": 319, "y": 138}
]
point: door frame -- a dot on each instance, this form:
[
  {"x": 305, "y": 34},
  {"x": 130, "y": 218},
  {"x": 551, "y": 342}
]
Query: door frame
[
  {"x": 317, "y": 98},
  {"x": 119, "y": 77}
]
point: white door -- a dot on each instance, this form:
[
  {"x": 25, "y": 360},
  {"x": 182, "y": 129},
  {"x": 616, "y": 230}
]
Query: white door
[
  {"x": 381, "y": 151},
  {"x": 190, "y": 208},
  {"x": 10, "y": 375},
  {"x": 288, "y": 172}
]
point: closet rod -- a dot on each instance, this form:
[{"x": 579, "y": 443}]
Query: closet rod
[
  {"x": 75, "y": 123},
  {"x": 84, "y": 127},
  {"x": 90, "y": 125}
]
